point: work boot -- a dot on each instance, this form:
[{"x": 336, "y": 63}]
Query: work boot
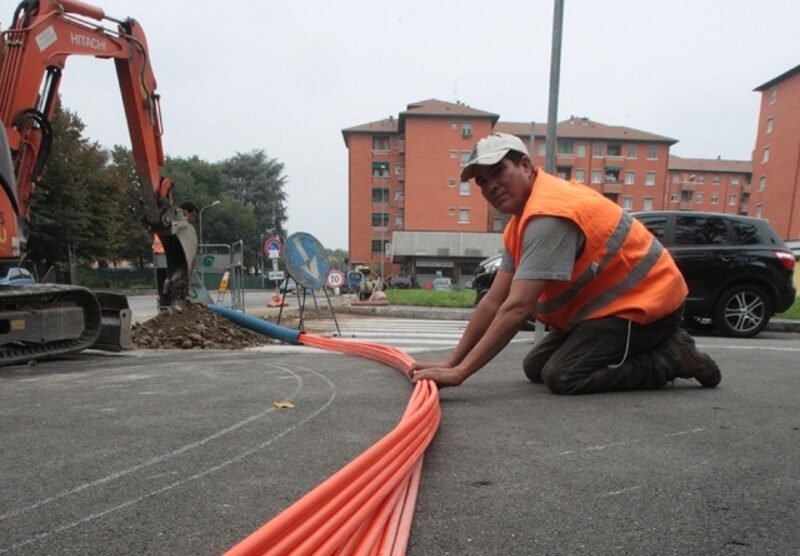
[{"x": 690, "y": 363}]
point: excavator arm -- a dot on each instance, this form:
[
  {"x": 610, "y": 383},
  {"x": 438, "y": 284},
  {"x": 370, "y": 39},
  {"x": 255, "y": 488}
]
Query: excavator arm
[{"x": 43, "y": 34}]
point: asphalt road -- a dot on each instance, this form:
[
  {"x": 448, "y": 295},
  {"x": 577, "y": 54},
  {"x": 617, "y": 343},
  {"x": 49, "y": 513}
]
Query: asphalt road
[{"x": 183, "y": 453}]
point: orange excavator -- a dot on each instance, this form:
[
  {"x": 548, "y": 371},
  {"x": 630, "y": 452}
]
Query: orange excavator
[{"x": 43, "y": 320}]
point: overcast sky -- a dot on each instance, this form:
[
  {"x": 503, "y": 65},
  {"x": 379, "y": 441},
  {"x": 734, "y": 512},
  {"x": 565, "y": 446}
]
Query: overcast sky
[{"x": 287, "y": 77}]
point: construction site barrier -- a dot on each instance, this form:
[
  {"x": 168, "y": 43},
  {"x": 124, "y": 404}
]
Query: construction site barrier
[{"x": 367, "y": 507}]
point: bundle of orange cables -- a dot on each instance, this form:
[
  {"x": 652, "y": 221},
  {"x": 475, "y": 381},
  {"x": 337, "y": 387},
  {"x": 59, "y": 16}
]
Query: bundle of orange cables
[{"x": 367, "y": 506}]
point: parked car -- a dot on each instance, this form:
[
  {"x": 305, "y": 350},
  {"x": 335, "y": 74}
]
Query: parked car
[
  {"x": 402, "y": 282},
  {"x": 738, "y": 270},
  {"x": 16, "y": 276},
  {"x": 442, "y": 284}
]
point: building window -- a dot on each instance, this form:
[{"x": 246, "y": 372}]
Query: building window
[
  {"x": 498, "y": 224},
  {"x": 399, "y": 169},
  {"x": 630, "y": 178},
  {"x": 564, "y": 172},
  {"x": 701, "y": 178},
  {"x": 452, "y": 182},
  {"x": 698, "y": 199},
  {"x": 762, "y": 183},
  {"x": 580, "y": 176},
  {"x": 715, "y": 198},
  {"x": 454, "y": 125},
  {"x": 465, "y": 155},
  {"x": 715, "y": 179},
  {"x": 451, "y": 211},
  {"x": 599, "y": 149},
  {"x": 686, "y": 196},
  {"x": 769, "y": 125},
  {"x": 765, "y": 155},
  {"x": 676, "y": 178},
  {"x": 627, "y": 203},
  {"x": 734, "y": 179},
  {"x": 542, "y": 148},
  {"x": 612, "y": 175},
  {"x": 773, "y": 95},
  {"x": 565, "y": 147},
  {"x": 463, "y": 216},
  {"x": 463, "y": 189},
  {"x": 380, "y": 219},
  {"x": 673, "y": 197},
  {"x": 453, "y": 154},
  {"x": 596, "y": 176},
  {"x": 380, "y": 169},
  {"x": 631, "y": 151},
  {"x": 732, "y": 199},
  {"x": 614, "y": 149},
  {"x": 466, "y": 130},
  {"x": 380, "y": 143},
  {"x": 650, "y": 178},
  {"x": 379, "y": 245},
  {"x": 398, "y": 220},
  {"x": 759, "y": 210},
  {"x": 399, "y": 195},
  {"x": 648, "y": 203},
  {"x": 380, "y": 194},
  {"x": 580, "y": 150},
  {"x": 652, "y": 153}
]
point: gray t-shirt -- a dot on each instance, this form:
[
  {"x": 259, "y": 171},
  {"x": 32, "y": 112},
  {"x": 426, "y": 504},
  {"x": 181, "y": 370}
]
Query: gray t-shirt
[{"x": 550, "y": 246}]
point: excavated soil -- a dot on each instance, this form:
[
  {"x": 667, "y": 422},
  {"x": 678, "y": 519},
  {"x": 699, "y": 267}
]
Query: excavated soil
[{"x": 194, "y": 326}]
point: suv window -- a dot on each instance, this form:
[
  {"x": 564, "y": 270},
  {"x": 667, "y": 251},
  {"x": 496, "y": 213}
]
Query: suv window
[
  {"x": 749, "y": 234},
  {"x": 656, "y": 224},
  {"x": 700, "y": 230}
]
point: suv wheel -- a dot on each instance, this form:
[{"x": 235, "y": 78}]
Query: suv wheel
[{"x": 742, "y": 311}]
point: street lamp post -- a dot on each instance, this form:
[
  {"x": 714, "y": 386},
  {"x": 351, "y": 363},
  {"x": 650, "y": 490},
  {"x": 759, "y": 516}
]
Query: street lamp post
[{"x": 200, "y": 223}]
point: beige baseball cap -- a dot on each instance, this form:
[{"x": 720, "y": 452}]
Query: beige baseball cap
[{"x": 491, "y": 150}]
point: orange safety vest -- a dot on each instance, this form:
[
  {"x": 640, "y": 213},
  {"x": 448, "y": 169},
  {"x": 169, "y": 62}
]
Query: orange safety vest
[
  {"x": 623, "y": 271},
  {"x": 158, "y": 248}
]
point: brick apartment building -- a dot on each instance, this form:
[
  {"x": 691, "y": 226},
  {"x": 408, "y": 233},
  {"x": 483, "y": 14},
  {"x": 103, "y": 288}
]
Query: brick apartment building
[
  {"x": 776, "y": 158},
  {"x": 408, "y": 206}
]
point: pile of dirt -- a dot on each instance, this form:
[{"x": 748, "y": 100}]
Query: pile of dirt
[{"x": 194, "y": 326}]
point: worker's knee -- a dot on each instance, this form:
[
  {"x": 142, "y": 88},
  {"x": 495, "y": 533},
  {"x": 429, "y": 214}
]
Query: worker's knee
[
  {"x": 532, "y": 368},
  {"x": 557, "y": 379}
]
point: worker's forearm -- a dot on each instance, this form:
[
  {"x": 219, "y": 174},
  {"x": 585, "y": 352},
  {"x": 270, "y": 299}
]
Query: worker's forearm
[
  {"x": 499, "y": 333},
  {"x": 481, "y": 319}
]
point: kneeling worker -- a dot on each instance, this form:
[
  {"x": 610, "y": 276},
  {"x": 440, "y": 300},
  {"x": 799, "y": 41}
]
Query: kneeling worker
[{"x": 608, "y": 289}]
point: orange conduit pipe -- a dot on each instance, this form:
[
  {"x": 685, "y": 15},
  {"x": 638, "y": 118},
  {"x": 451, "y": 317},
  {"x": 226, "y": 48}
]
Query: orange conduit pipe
[{"x": 367, "y": 506}]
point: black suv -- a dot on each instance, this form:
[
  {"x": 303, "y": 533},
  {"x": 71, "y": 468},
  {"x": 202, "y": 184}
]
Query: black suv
[{"x": 738, "y": 270}]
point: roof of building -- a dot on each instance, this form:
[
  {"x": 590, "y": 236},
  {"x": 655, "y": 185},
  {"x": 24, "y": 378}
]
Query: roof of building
[
  {"x": 583, "y": 128},
  {"x": 433, "y": 108},
  {"x": 388, "y": 125},
  {"x": 710, "y": 165},
  {"x": 776, "y": 80}
]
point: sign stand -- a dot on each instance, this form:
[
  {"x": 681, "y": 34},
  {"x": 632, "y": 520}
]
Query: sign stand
[{"x": 307, "y": 263}]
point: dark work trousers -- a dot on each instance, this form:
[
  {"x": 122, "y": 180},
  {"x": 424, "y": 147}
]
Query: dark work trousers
[{"x": 604, "y": 354}]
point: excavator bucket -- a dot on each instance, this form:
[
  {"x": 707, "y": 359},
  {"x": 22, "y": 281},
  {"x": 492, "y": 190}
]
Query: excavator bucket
[
  {"x": 115, "y": 323},
  {"x": 180, "y": 248}
]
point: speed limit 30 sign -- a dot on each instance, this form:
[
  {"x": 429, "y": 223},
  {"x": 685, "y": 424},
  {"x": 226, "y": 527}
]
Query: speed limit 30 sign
[{"x": 335, "y": 279}]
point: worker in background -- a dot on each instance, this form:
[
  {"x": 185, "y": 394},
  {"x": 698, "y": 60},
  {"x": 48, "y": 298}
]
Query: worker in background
[
  {"x": 611, "y": 294},
  {"x": 160, "y": 259}
]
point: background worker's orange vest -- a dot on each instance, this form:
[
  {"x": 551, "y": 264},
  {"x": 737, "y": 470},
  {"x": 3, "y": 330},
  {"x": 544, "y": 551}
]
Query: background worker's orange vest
[
  {"x": 158, "y": 248},
  {"x": 623, "y": 271}
]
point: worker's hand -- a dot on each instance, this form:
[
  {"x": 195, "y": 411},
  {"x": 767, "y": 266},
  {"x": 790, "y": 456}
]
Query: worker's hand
[
  {"x": 419, "y": 365},
  {"x": 442, "y": 376}
]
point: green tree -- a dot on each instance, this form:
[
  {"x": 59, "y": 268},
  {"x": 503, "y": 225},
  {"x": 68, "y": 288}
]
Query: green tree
[
  {"x": 258, "y": 182},
  {"x": 70, "y": 208},
  {"x": 133, "y": 240}
]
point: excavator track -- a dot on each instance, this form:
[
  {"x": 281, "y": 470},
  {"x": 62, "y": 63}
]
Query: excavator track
[{"x": 46, "y": 320}]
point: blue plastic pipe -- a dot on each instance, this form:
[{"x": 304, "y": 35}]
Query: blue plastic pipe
[{"x": 288, "y": 335}]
